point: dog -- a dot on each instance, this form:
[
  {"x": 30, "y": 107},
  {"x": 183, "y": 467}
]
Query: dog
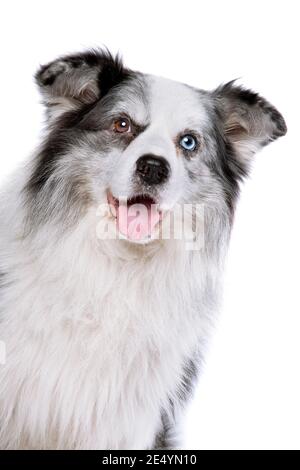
[{"x": 104, "y": 320}]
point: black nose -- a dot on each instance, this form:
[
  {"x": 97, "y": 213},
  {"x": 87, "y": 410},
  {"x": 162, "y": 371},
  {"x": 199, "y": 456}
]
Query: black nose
[{"x": 153, "y": 169}]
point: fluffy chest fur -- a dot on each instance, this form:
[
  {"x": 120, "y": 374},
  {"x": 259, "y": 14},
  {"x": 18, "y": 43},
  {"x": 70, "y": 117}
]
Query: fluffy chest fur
[{"x": 96, "y": 343}]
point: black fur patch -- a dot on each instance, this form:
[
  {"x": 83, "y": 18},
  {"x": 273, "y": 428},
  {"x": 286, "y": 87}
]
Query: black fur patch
[
  {"x": 227, "y": 167},
  {"x": 166, "y": 438},
  {"x": 112, "y": 73},
  {"x": 56, "y": 145},
  {"x": 189, "y": 376},
  {"x": 163, "y": 441},
  {"x": 237, "y": 92}
]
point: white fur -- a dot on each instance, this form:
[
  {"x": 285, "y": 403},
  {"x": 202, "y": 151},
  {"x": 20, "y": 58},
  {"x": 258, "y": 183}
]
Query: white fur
[
  {"x": 97, "y": 332},
  {"x": 95, "y": 344}
]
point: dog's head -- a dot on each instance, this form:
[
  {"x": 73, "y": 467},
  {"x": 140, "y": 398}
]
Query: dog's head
[{"x": 115, "y": 135}]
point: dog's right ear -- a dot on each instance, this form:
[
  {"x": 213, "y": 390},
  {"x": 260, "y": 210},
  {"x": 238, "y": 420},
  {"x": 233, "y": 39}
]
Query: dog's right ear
[{"x": 79, "y": 79}]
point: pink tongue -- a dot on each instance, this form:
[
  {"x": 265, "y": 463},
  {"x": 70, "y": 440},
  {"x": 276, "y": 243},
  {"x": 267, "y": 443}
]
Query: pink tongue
[{"x": 137, "y": 221}]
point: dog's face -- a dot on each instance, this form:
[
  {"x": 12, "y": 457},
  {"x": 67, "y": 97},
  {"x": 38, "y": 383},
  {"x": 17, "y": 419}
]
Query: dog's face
[{"x": 141, "y": 142}]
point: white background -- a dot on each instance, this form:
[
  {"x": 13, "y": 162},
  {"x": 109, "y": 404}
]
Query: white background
[{"x": 249, "y": 392}]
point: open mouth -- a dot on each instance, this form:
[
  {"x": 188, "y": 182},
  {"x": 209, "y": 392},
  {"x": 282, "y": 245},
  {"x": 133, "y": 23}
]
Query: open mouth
[{"x": 137, "y": 217}]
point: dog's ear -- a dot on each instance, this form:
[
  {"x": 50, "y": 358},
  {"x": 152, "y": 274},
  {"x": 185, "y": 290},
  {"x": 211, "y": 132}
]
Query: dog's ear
[
  {"x": 79, "y": 79},
  {"x": 249, "y": 121}
]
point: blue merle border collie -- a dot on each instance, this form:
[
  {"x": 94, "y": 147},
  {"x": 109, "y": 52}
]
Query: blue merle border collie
[{"x": 104, "y": 334}]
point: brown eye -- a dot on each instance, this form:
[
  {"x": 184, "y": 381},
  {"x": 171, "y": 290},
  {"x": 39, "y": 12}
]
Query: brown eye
[{"x": 122, "y": 125}]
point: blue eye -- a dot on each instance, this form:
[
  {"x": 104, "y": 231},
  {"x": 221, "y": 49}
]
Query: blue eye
[{"x": 188, "y": 142}]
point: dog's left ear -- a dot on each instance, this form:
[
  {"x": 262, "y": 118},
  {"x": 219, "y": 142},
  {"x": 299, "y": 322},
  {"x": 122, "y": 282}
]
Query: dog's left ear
[
  {"x": 72, "y": 81},
  {"x": 249, "y": 121}
]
